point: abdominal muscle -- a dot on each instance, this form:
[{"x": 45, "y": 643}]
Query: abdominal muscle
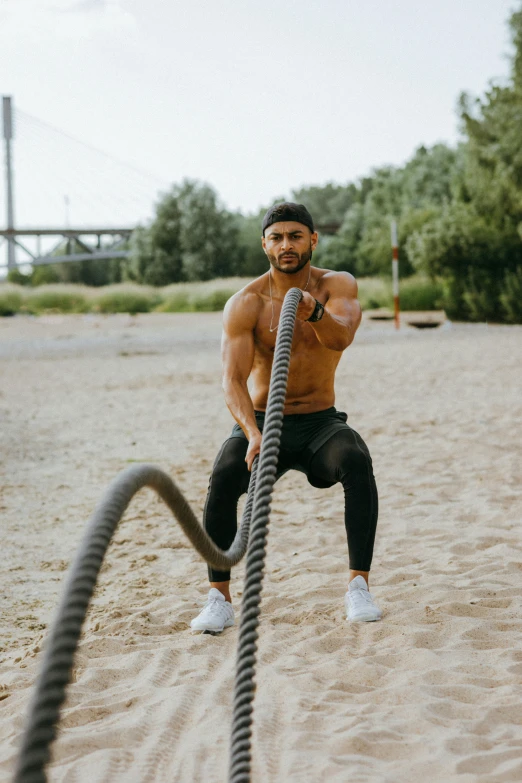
[{"x": 310, "y": 381}]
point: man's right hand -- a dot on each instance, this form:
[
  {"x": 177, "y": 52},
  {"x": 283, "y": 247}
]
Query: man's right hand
[{"x": 254, "y": 447}]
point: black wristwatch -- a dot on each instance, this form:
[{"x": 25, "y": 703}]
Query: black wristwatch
[{"x": 317, "y": 313}]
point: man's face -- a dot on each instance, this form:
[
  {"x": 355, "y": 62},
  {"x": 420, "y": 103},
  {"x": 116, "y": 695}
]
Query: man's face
[{"x": 289, "y": 246}]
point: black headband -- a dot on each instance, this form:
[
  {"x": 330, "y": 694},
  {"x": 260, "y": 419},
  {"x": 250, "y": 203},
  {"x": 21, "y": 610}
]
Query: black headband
[{"x": 288, "y": 211}]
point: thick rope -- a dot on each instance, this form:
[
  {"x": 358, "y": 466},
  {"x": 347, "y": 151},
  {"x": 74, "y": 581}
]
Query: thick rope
[
  {"x": 63, "y": 639},
  {"x": 240, "y": 750}
]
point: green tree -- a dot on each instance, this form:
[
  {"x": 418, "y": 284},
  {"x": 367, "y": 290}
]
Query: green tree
[
  {"x": 340, "y": 252},
  {"x": 473, "y": 236},
  {"x": 155, "y": 252},
  {"x": 209, "y": 233},
  {"x": 193, "y": 237},
  {"x": 409, "y": 194},
  {"x": 328, "y": 203},
  {"x": 254, "y": 261},
  {"x": 430, "y": 177},
  {"x": 471, "y": 254},
  {"x": 493, "y": 160}
]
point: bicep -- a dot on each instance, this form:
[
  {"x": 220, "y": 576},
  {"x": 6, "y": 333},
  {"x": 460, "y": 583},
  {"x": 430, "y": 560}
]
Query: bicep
[
  {"x": 237, "y": 355},
  {"x": 237, "y": 345}
]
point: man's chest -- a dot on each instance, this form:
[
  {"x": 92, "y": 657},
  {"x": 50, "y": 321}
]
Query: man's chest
[{"x": 304, "y": 339}]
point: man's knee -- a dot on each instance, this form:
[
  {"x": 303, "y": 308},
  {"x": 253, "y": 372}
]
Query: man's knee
[{"x": 355, "y": 460}]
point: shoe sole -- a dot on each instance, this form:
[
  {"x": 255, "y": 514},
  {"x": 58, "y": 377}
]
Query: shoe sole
[
  {"x": 212, "y": 631},
  {"x": 364, "y": 619}
]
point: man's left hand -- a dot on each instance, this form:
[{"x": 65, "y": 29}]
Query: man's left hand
[{"x": 306, "y": 307}]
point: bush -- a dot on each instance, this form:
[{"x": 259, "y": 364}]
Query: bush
[
  {"x": 481, "y": 298},
  {"x": 17, "y": 277},
  {"x": 176, "y": 303},
  {"x": 55, "y": 301},
  {"x": 10, "y": 303},
  {"x": 125, "y": 302},
  {"x": 420, "y": 293},
  {"x": 452, "y": 301},
  {"x": 213, "y": 302},
  {"x": 511, "y": 296},
  {"x": 45, "y": 275},
  {"x": 374, "y": 292}
]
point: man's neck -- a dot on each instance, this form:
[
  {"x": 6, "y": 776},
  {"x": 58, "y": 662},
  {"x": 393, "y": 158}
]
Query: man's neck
[{"x": 281, "y": 282}]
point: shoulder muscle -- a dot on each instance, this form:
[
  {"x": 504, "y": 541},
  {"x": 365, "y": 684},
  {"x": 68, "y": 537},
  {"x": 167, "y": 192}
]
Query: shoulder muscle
[
  {"x": 241, "y": 313},
  {"x": 341, "y": 284}
]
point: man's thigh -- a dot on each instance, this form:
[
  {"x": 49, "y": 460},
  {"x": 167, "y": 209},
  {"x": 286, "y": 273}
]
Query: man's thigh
[{"x": 345, "y": 452}]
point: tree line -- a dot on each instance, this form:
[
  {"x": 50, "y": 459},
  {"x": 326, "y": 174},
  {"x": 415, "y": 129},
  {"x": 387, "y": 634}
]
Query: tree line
[{"x": 459, "y": 212}]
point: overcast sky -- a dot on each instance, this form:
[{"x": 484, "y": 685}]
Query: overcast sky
[{"x": 255, "y": 98}]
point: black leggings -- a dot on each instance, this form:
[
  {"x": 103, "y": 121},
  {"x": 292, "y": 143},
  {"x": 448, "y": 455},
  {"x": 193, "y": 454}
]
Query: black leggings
[{"x": 343, "y": 458}]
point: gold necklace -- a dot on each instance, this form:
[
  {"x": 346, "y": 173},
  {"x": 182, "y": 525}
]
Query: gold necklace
[{"x": 272, "y": 301}]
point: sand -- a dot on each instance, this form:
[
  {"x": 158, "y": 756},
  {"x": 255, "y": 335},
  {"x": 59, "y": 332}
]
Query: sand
[{"x": 432, "y": 692}]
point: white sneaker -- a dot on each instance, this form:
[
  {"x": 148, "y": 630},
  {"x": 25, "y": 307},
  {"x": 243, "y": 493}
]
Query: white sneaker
[
  {"x": 359, "y": 603},
  {"x": 216, "y": 615}
]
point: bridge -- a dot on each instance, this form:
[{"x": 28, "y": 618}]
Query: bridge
[
  {"x": 71, "y": 237},
  {"x": 100, "y": 184}
]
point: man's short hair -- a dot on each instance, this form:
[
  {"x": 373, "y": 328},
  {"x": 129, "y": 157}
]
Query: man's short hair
[{"x": 288, "y": 211}]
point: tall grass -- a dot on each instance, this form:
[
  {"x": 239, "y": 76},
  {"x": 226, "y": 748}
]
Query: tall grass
[
  {"x": 176, "y": 303},
  {"x": 10, "y": 303},
  {"x": 125, "y": 302},
  {"x": 185, "y": 302},
  {"x": 122, "y": 298},
  {"x": 55, "y": 302},
  {"x": 417, "y": 293},
  {"x": 212, "y": 302}
]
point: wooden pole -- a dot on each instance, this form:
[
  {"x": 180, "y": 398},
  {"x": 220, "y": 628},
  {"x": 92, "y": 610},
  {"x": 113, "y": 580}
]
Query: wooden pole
[{"x": 395, "y": 274}]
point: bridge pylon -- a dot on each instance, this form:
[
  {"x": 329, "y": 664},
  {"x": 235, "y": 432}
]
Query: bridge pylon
[{"x": 8, "y": 136}]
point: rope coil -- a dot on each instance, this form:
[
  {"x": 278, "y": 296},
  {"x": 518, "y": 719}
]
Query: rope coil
[{"x": 62, "y": 643}]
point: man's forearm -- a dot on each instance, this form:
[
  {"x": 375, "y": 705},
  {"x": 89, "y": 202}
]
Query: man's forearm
[
  {"x": 240, "y": 405},
  {"x": 335, "y": 332}
]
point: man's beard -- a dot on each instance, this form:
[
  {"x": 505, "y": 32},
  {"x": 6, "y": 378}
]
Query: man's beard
[{"x": 303, "y": 258}]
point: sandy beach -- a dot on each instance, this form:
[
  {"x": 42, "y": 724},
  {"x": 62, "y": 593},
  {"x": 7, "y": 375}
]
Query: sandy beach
[{"x": 433, "y": 692}]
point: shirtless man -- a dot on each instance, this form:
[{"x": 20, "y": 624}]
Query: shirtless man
[{"x": 315, "y": 438}]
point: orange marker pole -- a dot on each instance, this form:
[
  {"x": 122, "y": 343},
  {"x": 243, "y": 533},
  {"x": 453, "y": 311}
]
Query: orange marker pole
[{"x": 395, "y": 273}]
